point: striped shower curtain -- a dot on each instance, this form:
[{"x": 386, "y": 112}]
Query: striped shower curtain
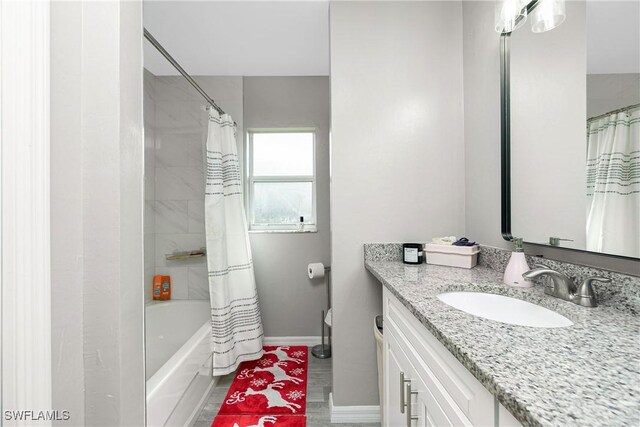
[
  {"x": 236, "y": 326},
  {"x": 613, "y": 183}
]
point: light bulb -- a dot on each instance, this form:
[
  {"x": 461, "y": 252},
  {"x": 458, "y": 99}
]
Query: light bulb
[
  {"x": 510, "y": 15},
  {"x": 547, "y": 15}
]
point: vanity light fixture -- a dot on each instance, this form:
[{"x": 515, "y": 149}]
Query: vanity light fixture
[
  {"x": 547, "y": 15},
  {"x": 510, "y": 15}
]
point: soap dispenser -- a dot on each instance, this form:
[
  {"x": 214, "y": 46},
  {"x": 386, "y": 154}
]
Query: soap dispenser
[{"x": 517, "y": 266}]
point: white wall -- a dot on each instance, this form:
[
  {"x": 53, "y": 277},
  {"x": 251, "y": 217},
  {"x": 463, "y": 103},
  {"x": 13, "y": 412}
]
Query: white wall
[
  {"x": 130, "y": 318},
  {"x": 97, "y": 321},
  {"x": 397, "y": 157},
  {"x": 291, "y": 303},
  {"x": 608, "y": 92},
  {"x": 67, "y": 271}
]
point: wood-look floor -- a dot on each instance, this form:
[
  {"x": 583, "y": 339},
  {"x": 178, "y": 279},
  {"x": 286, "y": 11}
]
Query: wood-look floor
[{"x": 318, "y": 388}]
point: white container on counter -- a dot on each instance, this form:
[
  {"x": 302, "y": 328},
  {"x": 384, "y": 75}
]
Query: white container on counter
[{"x": 452, "y": 256}]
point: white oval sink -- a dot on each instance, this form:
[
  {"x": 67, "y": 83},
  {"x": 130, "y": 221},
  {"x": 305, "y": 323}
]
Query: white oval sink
[{"x": 504, "y": 309}]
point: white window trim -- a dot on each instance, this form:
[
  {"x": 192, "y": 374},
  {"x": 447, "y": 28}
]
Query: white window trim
[{"x": 310, "y": 225}]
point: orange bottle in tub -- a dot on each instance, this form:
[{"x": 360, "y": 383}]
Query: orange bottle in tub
[
  {"x": 157, "y": 287},
  {"x": 165, "y": 294}
]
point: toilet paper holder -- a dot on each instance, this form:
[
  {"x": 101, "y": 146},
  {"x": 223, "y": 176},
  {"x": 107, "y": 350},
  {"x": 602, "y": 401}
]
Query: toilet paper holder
[{"x": 322, "y": 350}]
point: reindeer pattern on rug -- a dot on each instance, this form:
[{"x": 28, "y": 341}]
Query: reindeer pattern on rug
[
  {"x": 275, "y": 384},
  {"x": 260, "y": 421}
]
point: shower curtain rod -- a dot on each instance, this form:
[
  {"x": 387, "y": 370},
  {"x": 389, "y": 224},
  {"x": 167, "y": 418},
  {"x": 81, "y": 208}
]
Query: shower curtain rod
[
  {"x": 619, "y": 110},
  {"x": 181, "y": 70}
]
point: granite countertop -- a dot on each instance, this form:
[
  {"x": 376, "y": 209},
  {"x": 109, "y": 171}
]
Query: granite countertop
[{"x": 585, "y": 374}]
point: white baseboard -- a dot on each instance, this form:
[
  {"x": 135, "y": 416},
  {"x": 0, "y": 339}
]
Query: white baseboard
[
  {"x": 308, "y": 341},
  {"x": 353, "y": 414}
]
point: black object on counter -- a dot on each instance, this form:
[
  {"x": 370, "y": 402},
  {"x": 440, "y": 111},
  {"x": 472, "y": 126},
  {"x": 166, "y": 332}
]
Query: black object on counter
[
  {"x": 463, "y": 241},
  {"x": 412, "y": 253}
]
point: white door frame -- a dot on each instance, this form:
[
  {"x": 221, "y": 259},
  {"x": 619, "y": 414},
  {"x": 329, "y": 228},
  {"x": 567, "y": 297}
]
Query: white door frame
[{"x": 25, "y": 309}]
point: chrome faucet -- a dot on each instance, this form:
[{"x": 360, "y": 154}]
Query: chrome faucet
[{"x": 564, "y": 287}]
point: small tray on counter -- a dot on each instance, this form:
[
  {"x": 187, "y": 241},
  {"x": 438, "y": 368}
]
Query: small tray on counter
[{"x": 452, "y": 256}]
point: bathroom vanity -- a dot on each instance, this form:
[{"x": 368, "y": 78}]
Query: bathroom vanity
[
  {"x": 443, "y": 366},
  {"x": 425, "y": 384}
]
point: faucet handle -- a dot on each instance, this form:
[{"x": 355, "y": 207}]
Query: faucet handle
[
  {"x": 555, "y": 241},
  {"x": 589, "y": 280},
  {"x": 585, "y": 295},
  {"x": 541, "y": 265}
]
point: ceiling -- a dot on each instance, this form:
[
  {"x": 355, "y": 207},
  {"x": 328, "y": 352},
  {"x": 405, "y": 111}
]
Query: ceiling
[
  {"x": 291, "y": 38},
  {"x": 613, "y": 37},
  {"x": 239, "y": 38}
]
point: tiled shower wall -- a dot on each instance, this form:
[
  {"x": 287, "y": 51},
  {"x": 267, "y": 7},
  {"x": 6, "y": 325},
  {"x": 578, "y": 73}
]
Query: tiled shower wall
[
  {"x": 179, "y": 130},
  {"x": 149, "y": 182}
]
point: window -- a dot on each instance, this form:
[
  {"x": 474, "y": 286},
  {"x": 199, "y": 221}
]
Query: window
[{"x": 281, "y": 180}]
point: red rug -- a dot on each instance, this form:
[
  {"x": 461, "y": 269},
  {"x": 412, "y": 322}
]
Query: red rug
[
  {"x": 260, "y": 421},
  {"x": 266, "y": 388}
]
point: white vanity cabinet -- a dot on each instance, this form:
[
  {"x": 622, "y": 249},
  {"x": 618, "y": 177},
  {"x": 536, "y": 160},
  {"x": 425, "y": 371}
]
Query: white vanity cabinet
[
  {"x": 436, "y": 389},
  {"x": 399, "y": 369},
  {"x": 409, "y": 401}
]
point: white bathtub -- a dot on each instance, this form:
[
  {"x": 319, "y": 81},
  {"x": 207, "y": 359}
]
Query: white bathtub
[{"x": 178, "y": 359}]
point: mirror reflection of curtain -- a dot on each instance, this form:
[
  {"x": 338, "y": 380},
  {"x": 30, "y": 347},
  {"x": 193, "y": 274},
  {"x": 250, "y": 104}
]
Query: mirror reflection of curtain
[{"x": 613, "y": 183}]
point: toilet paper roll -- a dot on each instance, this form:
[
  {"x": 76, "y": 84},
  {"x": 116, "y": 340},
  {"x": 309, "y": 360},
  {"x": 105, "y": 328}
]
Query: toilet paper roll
[{"x": 316, "y": 270}]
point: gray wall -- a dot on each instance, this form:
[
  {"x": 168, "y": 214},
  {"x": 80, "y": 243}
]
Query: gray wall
[
  {"x": 97, "y": 227},
  {"x": 608, "y": 92},
  {"x": 290, "y": 302},
  {"x": 397, "y": 157}
]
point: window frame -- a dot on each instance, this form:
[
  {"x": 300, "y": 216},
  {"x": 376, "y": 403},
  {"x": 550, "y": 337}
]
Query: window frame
[{"x": 310, "y": 224}]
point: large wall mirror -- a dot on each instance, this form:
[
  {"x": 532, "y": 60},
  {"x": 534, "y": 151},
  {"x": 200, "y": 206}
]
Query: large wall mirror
[{"x": 571, "y": 129}]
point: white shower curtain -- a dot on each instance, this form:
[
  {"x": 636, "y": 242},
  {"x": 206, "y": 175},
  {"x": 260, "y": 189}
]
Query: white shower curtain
[
  {"x": 613, "y": 184},
  {"x": 236, "y": 326}
]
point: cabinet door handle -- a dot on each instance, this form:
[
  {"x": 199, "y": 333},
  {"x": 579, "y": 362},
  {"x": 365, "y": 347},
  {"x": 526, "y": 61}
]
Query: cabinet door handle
[
  {"x": 403, "y": 380},
  {"x": 409, "y": 394}
]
